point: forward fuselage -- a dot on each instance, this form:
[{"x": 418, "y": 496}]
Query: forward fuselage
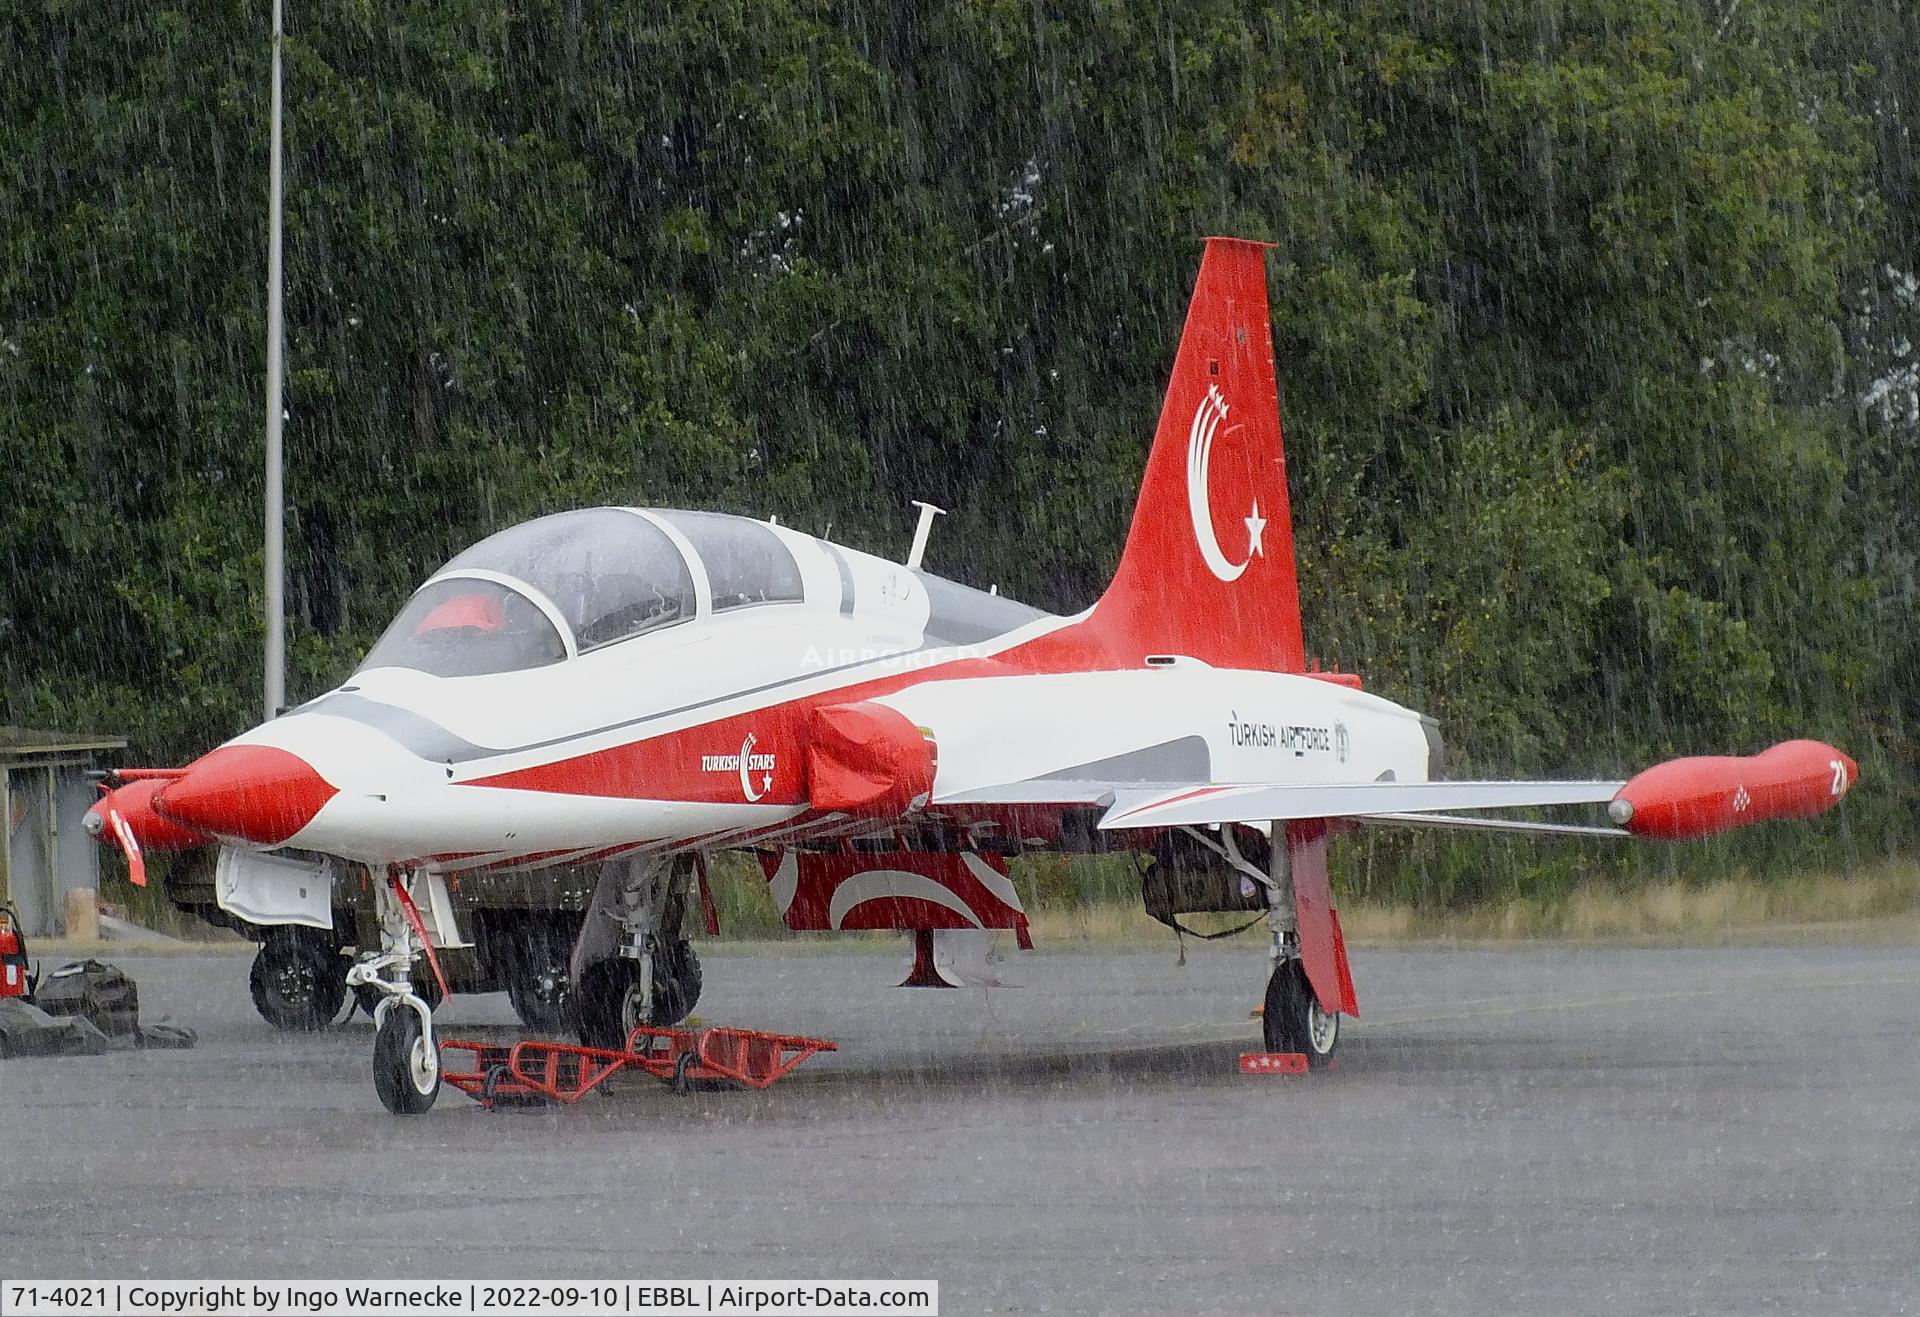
[{"x": 693, "y": 732}]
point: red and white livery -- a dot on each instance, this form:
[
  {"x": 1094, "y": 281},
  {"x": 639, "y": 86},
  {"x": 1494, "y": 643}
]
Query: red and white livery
[{"x": 633, "y": 688}]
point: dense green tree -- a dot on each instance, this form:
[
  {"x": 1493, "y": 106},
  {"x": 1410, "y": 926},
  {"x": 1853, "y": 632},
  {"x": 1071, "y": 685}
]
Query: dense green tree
[{"x": 1596, "y": 327}]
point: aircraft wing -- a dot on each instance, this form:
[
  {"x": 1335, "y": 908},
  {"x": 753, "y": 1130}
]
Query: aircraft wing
[
  {"x": 1407, "y": 804},
  {"x": 1265, "y": 802},
  {"x": 1681, "y": 798}
]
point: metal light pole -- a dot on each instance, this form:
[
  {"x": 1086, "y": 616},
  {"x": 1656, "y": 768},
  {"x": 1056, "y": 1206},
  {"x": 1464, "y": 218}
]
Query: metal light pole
[{"x": 276, "y": 659}]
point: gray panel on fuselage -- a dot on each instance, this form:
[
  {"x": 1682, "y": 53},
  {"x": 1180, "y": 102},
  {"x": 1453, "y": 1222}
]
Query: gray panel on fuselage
[
  {"x": 1179, "y": 762},
  {"x": 961, "y": 615}
]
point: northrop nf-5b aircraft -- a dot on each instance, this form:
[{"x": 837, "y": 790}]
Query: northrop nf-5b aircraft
[{"x": 620, "y": 692}]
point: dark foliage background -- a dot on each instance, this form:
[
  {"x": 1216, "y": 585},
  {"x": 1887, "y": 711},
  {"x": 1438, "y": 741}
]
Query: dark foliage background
[{"x": 1596, "y": 322}]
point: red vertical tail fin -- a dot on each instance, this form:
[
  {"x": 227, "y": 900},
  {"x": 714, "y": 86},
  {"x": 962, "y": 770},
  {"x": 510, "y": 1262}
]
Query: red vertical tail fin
[{"x": 1208, "y": 570}]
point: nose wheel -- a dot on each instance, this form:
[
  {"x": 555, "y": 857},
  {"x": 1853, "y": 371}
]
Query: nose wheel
[
  {"x": 406, "y": 1059},
  {"x": 406, "y": 1055}
]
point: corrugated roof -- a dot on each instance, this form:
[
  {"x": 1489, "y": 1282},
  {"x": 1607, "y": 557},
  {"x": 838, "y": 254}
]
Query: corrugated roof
[{"x": 23, "y": 743}]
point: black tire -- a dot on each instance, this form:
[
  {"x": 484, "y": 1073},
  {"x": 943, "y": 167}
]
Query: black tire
[
  {"x": 401, "y": 1064},
  {"x": 676, "y": 982},
  {"x": 607, "y": 1002},
  {"x": 1293, "y": 1021},
  {"x": 606, "y": 1005},
  {"x": 538, "y": 983},
  {"x": 297, "y": 983}
]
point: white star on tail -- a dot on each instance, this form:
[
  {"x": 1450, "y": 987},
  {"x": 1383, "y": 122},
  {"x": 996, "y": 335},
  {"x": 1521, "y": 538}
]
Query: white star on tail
[{"x": 1256, "y": 526}]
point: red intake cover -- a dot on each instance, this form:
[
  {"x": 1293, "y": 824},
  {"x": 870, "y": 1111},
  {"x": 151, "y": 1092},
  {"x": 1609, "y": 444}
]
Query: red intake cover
[
  {"x": 867, "y": 759},
  {"x": 1687, "y": 798}
]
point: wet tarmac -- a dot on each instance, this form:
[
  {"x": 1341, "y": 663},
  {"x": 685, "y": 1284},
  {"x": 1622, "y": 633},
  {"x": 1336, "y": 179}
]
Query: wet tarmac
[{"x": 1540, "y": 1130}]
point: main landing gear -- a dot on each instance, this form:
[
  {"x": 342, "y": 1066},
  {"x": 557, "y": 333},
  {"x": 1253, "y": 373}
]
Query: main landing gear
[
  {"x": 633, "y": 962},
  {"x": 406, "y": 1055},
  {"x": 1293, "y": 1019}
]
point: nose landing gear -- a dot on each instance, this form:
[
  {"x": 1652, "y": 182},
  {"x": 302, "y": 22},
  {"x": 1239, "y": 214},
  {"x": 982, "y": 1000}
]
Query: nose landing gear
[
  {"x": 406, "y": 1059},
  {"x": 406, "y": 1055}
]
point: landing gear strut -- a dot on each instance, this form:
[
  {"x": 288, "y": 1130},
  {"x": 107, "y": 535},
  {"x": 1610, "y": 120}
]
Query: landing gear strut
[
  {"x": 1292, "y": 1020},
  {"x": 633, "y": 963},
  {"x": 406, "y": 1055}
]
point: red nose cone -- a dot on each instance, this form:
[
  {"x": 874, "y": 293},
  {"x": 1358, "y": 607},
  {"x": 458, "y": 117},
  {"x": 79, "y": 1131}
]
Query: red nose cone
[
  {"x": 134, "y": 802},
  {"x": 253, "y": 792}
]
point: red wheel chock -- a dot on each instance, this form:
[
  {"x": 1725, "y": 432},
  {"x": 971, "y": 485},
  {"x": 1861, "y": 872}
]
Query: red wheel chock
[{"x": 538, "y": 1071}]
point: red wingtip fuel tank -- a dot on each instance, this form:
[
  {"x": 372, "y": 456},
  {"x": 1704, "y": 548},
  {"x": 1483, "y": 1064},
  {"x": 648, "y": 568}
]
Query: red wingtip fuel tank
[
  {"x": 1686, "y": 798},
  {"x": 254, "y": 792}
]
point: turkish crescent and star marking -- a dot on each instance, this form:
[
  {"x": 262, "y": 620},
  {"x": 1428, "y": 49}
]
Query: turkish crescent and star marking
[
  {"x": 1206, "y": 424},
  {"x": 746, "y": 775}
]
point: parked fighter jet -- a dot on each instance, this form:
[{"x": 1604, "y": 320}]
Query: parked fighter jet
[{"x": 626, "y": 690}]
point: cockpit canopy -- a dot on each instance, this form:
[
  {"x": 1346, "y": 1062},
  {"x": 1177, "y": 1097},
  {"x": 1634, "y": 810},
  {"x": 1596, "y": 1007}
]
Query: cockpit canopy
[
  {"x": 610, "y": 573},
  {"x": 603, "y": 574},
  {"x": 462, "y": 627}
]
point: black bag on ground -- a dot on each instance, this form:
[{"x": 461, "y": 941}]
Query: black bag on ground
[
  {"x": 96, "y": 992},
  {"x": 171, "y": 1037},
  {"x": 29, "y": 1031}
]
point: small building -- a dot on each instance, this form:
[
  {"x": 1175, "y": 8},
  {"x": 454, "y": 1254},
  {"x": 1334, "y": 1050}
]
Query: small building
[{"x": 45, "y": 793}]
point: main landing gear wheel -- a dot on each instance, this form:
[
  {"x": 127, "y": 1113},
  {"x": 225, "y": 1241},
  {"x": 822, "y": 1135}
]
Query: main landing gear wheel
[
  {"x": 1293, "y": 1020},
  {"x": 297, "y": 983},
  {"x": 608, "y": 1002},
  {"x": 539, "y": 989},
  {"x": 676, "y": 982},
  {"x": 406, "y": 1064}
]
